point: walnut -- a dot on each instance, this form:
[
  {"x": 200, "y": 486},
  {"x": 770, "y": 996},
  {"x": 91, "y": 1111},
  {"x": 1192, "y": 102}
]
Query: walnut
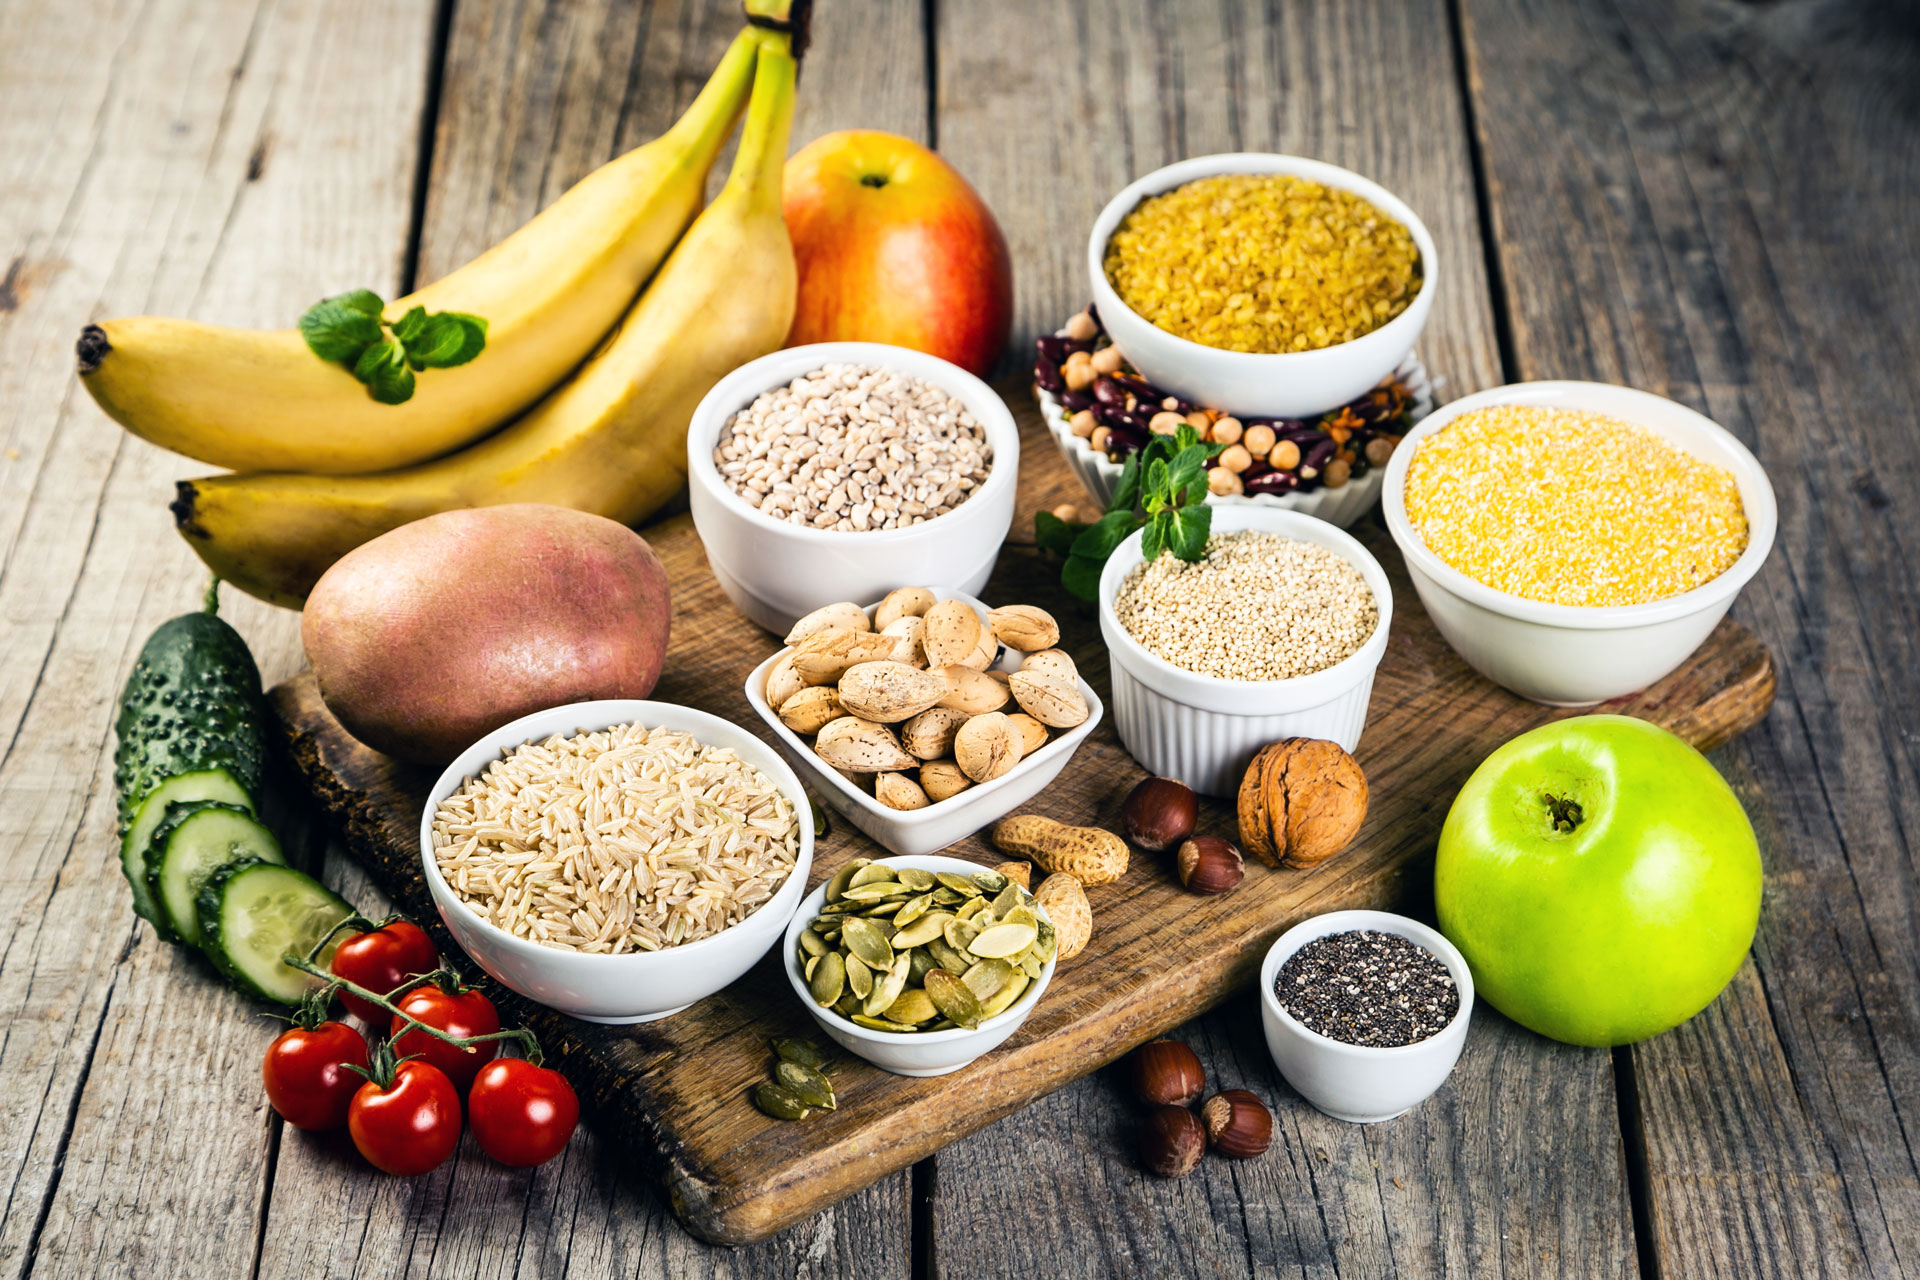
[{"x": 1301, "y": 802}]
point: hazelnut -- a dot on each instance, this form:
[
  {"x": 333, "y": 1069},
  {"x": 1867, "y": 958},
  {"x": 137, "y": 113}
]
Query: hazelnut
[
  {"x": 1259, "y": 439},
  {"x": 1208, "y": 864},
  {"x": 1284, "y": 456},
  {"x": 1238, "y": 1124},
  {"x": 1167, "y": 1073},
  {"x": 1339, "y": 471},
  {"x": 1379, "y": 449},
  {"x": 1160, "y": 813},
  {"x": 1172, "y": 1142}
]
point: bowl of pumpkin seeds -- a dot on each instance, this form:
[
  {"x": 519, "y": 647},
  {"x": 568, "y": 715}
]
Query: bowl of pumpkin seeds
[{"x": 919, "y": 964}]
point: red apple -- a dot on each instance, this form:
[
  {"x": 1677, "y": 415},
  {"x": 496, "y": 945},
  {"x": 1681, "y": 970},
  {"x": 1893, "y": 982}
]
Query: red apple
[{"x": 895, "y": 246}]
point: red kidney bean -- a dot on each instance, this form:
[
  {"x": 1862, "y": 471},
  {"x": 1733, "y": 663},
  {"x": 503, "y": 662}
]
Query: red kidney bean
[
  {"x": 1318, "y": 456},
  {"x": 1054, "y": 347},
  {"x": 1048, "y": 376},
  {"x": 1075, "y": 401},
  {"x": 1093, "y": 313},
  {"x": 1109, "y": 392},
  {"x": 1273, "y": 482}
]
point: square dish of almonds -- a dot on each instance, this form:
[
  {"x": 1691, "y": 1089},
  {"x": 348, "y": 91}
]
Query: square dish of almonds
[{"x": 915, "y": 750}]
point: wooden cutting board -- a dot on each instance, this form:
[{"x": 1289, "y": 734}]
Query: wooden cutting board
[{"x": 677, "y": 1091}]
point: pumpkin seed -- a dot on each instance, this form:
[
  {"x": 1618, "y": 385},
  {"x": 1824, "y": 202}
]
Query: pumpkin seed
[
  {"x": 847, "y": 1005},
  {"x": 953, "y": 998},
  {"x": 947, "y": 957},
  {"x": 914, "y": 1006},
  {"x": 804, "y": 1052},
  {"x": 959, "y": 935},
  {"x": 806, "y": 1084},
  {"x": 779, "y": 1103},
  {"x": 1021, "y": 915},
  {"x": 917, "y": 880},
  {"x": 813, "y": 962},
  {"x": 863, "y": 938},
  {"x": 920, "y": 960},
  {"x": 984, "y": 977},
  {"x": 871, "y": 873},
  {"x": 829, "y": 980},
  {"x": 923, "y": 930},
  {"x": 1004, "y": 998},
  {"x": 888, "y": 989},
  {"x": 1007, "y": 899},
  {"x": 1029, "y": 963},
  {"x": 879, "y": 1024},
  {"x": 883, "y": 911},
  {"x": 960, "y": 884},
  {"x": 945, "y": 1024},
  {"x": 859, "y": 977},
  {"x": 945, "y": 897},
  {"x": 990, "y": 881},
  {"x": 912, "y": 909},
  {"x": 875, "y": 891},
  {"x": 812, "y": 943},
  {"x": 1002, "y": 940},
  {"x": 1046, "y": 943},
  {"x": 973, "y": 908},
  {"x": 844, "y": 877}
]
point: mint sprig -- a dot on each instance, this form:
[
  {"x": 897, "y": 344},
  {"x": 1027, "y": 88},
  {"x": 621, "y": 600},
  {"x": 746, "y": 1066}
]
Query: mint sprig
[
  {"x": 1162, "y": 487},
  {"x": 348, "y": 330}
]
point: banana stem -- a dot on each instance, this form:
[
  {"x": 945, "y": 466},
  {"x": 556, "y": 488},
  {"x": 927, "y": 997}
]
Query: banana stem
[
  {"x": 762, "y": 156},
  {"x": 703, "y": 128}
]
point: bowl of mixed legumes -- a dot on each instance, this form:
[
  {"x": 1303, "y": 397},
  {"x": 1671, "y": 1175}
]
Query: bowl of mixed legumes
[
  {"x": 1274, "y": 633},
  {"x": 839, "y": 470},
  {"x": 1277, "y": 286},
  {"x": 1575, "y": 541}
]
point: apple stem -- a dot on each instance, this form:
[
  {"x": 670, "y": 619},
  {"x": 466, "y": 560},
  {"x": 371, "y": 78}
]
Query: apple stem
[{"x": 1565, "y": 812}]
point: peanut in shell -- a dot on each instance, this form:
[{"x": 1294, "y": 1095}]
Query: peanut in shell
[
  {"x": 1090, "y": 855},
  {"x": 1064, "y": 899}
]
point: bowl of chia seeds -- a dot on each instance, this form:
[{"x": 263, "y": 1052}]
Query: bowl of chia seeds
[{"x": 1365, "y": 1012}]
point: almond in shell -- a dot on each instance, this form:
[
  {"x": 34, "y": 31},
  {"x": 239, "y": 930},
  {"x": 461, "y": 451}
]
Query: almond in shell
[
  {"x": 1024, "y": 627},
  {"x": 907, "y": 631},
  {"x": 783, "y": 682},
  {"x": 824, "y": 656},
  {"x": 902, "y": 602},
  {"x": 983, "y": 656},
  {"x": 1065, "y": 901},
  {"x": 861, "y": 746},
  {"x": 987, "y": 747},
  {"x": 942, "y": 779},
  {"x": 973, "y": 692},
  {"x": 929, "y": 735},
  {"x": 1050, "y": 662},
  {"x": 888, "y": 691},
  {"x": 846, "y": 615},
  {"x": 898, "y": 791},
  {"x": 811, "y": 710},
  {"x": 951, "y": 634},
  {"x": 1051, "y": 699},
  {"x": 1033, "y": 734}
]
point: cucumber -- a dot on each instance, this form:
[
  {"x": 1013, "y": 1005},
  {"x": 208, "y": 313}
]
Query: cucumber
[
  {"x": 253, "y": 913},
  {"x": 208, "y": 784},
  {"x": 193, "y": 705},
  {"x": 192, "y": 842}
]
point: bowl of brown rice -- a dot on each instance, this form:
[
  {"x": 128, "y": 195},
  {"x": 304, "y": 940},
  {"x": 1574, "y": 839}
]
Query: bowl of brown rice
[
  {"x": 1576, "y": 541},
  {"x": 617, "y": 860},
  {"x": 1273, "y": 285}
]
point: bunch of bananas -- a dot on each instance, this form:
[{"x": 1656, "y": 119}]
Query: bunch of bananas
[{"x": 609, "y": 316}]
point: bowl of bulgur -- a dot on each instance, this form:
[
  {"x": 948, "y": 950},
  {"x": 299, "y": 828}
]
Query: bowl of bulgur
[
  {"x": 617, "y": 860},
  {"x": 1576, "y": 541},
  {"x": 1269, "y": 284},
  {"x": 839, "y": 470},
  {"x": 1275, "y": 633}
]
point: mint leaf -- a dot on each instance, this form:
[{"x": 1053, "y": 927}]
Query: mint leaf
[
  {"x": 408, "y": 326},
  {"x": 1191, "y": 525},
  {"x": 1185, "y": 437},
  {"x": 1126, "y": 491},
  {"x": 1051, "y": 533},
  {"x": 1154, "y": 540},
  {"x": 365, "y": 301},
  {"x": 1097, "y": 541},
  {"x": 444, "y": 340},
  {"x": 1081, "y": 576},
  {"x": 1188, "y": 466},
  {"x": 383, "y": 367},
  {"x": 338, "y": 331},
  {"x": 1155, "y": 490}
]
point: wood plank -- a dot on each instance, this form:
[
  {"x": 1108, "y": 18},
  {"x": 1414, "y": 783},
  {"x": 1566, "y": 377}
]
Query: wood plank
[
  {"x": 1716, "y": 202},
  {"x": 1373, "y": 87},
  {"x": 533, "y": 97},
  {"x": 194, "y": 157},
  {"x": 677, "y": 1088}
]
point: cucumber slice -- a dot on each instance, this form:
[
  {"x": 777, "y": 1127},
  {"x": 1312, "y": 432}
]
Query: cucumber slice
[
  {"x": 254, "y": 913},
  {"x": 208, "y": 784},
  {"x": 193, "y": 841}
]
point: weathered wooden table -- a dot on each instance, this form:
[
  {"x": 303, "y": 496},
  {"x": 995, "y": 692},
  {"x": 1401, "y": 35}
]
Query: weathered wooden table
[{"x": 1713, "y": 200}]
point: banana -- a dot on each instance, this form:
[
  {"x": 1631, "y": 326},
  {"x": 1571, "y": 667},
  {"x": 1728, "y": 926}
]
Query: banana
[
  {"x": 256, "y": 400},
  {"x": 611, "y": 440}
]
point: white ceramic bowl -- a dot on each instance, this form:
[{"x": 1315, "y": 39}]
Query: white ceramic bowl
[
  {"x": 1355, "y": 1082},
  {"x": 1567, "y": 655},
  {"x": 1291, "y": 384},
  {"x": 1341, "y": 506},
  {"x": 924, "y": 1053},
  {"x": 918, "y": 831},
  {"x": 1203, "y": 730},
  {"x": 625, "y": 988},
  {"x": 775, "y": 572}
]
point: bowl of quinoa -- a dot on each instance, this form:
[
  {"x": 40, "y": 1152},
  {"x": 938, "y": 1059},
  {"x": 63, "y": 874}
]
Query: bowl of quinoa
[
  {"x": 1576, "y": 541},
  {"x": 1275, "y": 633},
  {"x": 1275, "y": 285}
]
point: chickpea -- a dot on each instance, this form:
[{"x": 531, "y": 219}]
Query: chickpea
[
  {"x": 1165, "y": 423},
  {"x": 1199, "y": 421},
  {"x": 1099, "y": 439},
  {"x": 1082, "y": 328},
  {"x": 1106, "y": 361},
  {"x": 1078, "y": 371},
  {"x": 1259, "y": 440},
  {"x": 1074, "y": 514},
  {"x": 1337, "y": 473},
  {"x": 1224, "y": 483},
  {"x": 1235, "y": 458},
  {"x": 1227, "y": 431},
  {"x": 1284, "y": 456},
  {"x": 1083, "y": 423}
]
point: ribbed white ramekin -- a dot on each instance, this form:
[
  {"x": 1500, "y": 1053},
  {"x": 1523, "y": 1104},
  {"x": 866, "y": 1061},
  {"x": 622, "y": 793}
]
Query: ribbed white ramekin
[{"x": 1203, "y": 730}]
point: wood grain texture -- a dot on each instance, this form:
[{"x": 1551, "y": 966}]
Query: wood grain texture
[
  {"x": 1715, "y": 202},
  {"x": 193, "y": 158},
  {"x": 678, "y": 1088}
]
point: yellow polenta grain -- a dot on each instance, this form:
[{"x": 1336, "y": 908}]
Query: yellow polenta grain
[
  {"x": 1264, "y": 263},
  {"x": 1572, "y": 507}
]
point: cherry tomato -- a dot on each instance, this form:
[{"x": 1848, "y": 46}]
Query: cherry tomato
[
  {"x": 522, "y": 1114},
  {"x": 380, "y": 960},
  {"x": 306, "y": 1074},
  {"x": 411, "y": 1125},
  {"x": 462, "y": 1013}
]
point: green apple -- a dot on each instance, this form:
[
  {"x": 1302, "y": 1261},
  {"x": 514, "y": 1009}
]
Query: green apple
[{"x": 1601, "y": 879}]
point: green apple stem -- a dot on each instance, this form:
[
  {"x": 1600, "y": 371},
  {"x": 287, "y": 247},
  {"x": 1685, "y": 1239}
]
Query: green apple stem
[{"x": 1565, "y": 812}]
